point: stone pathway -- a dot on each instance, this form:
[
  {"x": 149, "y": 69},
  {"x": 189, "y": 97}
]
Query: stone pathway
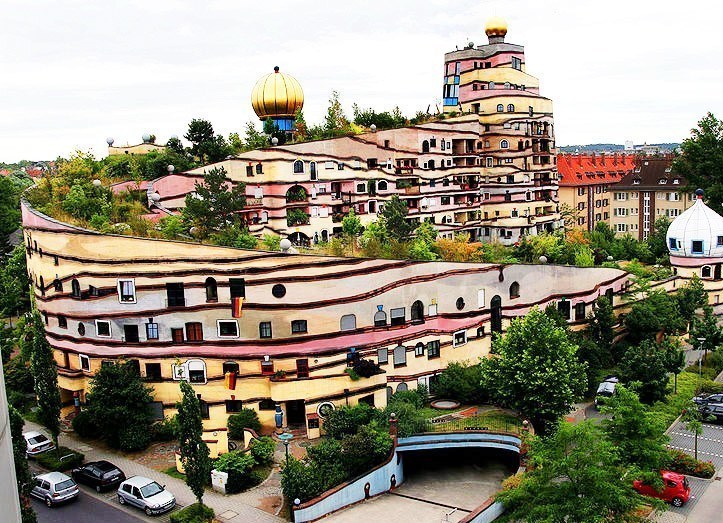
[{"x": 235, "y": 509}]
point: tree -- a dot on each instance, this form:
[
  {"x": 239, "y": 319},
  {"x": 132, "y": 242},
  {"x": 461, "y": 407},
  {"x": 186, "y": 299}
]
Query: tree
[
  {"x": 393, "y": 220},
  {"x": 601, "y": 324},
  {"x": 693, "y": 420},
  {"x": 536, "y": 371},
  {"x": 706, "y": 327},
  {"x": 351, "y": 225},
  {"x": 14, "y": 283},
  {"x": 701, "y": 160},
  {"x": 655, "y": 314},
  {"x": 691, "y": 297},
  {"x": 9, "y": 212},
  {"x": 195, "y": 455},
  {"x": 574, "y": 475},
  {"x": 45, "y": 376},
  {"x": 119, "y": 406},
  {"x": 674, "y": 359},
  {"x": 215, "y": 204},
  {"x": 205, "y": 145},
  {"x": 646, "y": 364},
  {"x": 335, "y": 121},
  {"x": 638, "y": 433},
  {"x": 461, "y": 381},
  {"x": 254, "y": 139},
  {"x": 22, "y": 473},
  {"x": 657, "y": 242}
]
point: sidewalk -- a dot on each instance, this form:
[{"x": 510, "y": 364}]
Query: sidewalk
[{"x": 227, "y": 508}]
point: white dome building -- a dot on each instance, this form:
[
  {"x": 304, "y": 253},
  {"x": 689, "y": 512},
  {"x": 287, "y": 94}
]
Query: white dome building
[{"x": 695, "y": 240}]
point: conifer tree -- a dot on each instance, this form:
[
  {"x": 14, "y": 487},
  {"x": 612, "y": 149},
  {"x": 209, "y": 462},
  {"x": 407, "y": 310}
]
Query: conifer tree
[{"x": 194, "y": 451}]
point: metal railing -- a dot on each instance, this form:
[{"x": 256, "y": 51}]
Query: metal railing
[{"x": 473, "y": 423}]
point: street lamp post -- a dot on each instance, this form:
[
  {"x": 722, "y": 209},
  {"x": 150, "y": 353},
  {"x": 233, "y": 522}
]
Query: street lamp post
[
  {"x": 286, "y": 438},
  {"x": 700, "y": 358}
]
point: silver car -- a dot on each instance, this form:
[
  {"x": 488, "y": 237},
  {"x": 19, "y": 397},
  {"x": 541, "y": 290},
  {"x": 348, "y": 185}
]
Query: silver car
[
  {"x": 37, "y": 443},
  {"x": 145, "y": 494},
  {"x": 54, "y": 488}
]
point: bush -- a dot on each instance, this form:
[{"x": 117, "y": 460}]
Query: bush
[
  {"x": 20, "y": 400},
  {"x": 246, "y": 419},
  {"x": 710, "y": 387},
  {"x": 417, "y": 397},
  {"x": 304, "y": 481},
  {"x": 196, "y": 513},
  {"x": 364, "y": 450},
  {"x": 84, "y": 425},
  {"x": 134, "y": 437},
  {"x": 164, "y": 430},
  {"x": 461, "y": 381},
  {"x": 239, "y": 466},
  {"x": 366, "y": 368},
  {"x": 263, "y": 449},
  {"x": 63, "y": 459},
  {"x": 684, "y": 464},
  {"x": 18, "y": 376},
  {"x": 347, "y": 420}
]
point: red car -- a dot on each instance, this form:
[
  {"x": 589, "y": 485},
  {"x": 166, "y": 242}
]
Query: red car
[{"x": 676, "y": 489}]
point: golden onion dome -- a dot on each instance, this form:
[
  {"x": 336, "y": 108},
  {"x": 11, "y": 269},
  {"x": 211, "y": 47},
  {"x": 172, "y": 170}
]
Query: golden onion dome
[
  {"x": 496, "y": 26},
  {"x": 277, "y": 94}
]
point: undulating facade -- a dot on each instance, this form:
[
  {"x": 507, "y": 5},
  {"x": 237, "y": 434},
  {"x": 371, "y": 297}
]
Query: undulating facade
[
  {"x": 490, "y": 174},
  {"x": 271, "y": 329}
]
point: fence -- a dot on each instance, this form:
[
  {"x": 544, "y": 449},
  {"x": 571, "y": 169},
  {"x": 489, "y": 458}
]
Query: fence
[{"x": 473, "y": 423}]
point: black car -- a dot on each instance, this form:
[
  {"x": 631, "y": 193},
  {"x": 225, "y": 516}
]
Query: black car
[
  {"x": 705, "y": 399},
  {"x": 712, "y": 413},
  {"x": 102, "y": 475}
]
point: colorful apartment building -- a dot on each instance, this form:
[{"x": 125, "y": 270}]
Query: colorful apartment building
[
  {"x": 489, "y": 174},
  {"x": 651, "y": 190},
  {"x": 585, "y": 184}
]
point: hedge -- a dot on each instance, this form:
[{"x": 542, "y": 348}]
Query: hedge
[
  {"x": 684, "y": 464},
  {"x": 246, "y": 419},
  {"x": 196, "y": 513},
  {"x": 52, "y": 461}
]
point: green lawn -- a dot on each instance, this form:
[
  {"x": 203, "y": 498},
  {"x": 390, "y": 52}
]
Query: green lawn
[
  {"x": 670, "y": 409},
  {"x": 430, "y": 412},
  {"x": 171, "y": 471}
]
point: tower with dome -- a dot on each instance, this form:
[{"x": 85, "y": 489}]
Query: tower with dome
[
  {"x": 277, "y": 96},
  {"x": 695, "y": 243}
]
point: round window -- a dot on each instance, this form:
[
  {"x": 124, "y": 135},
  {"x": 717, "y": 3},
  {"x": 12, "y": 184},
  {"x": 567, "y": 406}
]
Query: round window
[
  {"x": 81, "y": 329},
  {"x": 460, "y": 303},
  {"x": 278, "y": 290},
  {"x": 324, "y": 409}
]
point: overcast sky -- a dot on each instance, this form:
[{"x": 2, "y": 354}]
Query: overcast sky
[{"x": 75, "y": 72}]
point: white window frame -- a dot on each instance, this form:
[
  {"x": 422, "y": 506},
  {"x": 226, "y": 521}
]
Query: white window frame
[
  {"x": 118, "y": 287},
  {"x": 110, "y": 329},
  {"x": 81, "y": 359},
  {"x": 218, "y": 328},
  {"x": 454, "y": 338}
]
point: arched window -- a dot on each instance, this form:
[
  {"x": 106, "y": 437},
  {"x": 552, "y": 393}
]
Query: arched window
[
  {"x": 425, "y": 146},
  {"x": 312, "y": 171},
  {"x": 75, "y": 288},
  {"x": 492, "y": 85},
  {"x": 382, "y": 185},
  {"x": 431, "y": 164},
  {"x": 705, "y": 271},
  {"x": 504, "y": 144},
  {"x": 500, "y": 108},
  {"x": 514, "y": 290},
  {"x": 507, "y": 85},
  {"x": 419, "y": 349},
  {"x": 496, "y": 314},
  {"x": 211, "y": 290},
  {"x": 298, "y": 167},
  {"x": 380, "y": 318},
  {"x": 417, "y": 312},
  {"x": 528, "y": 195},
  {"x": 348, "y": 322},
  {"x": 511, "y": 108},
  {"x": 402, "y": 387},
  {"x": 58, "y": 285}
]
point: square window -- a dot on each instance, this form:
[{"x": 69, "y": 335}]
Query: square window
[
  {"x": 267, "y": 405},
  {"x": 460, "y": 338},
  {"x": 102, "y": 328},
  {"x": 673, "y": 244},
  {"x": 298, "y": 326},
  {"x": 84, "y": 362},
  {"x": 265, "y": 329},
  {"x": 267, "y": 367},
  {"x": 397, "y": 316},
  {"x": 175, "y": 295},
  {"x": 151, "y": 331},
  {"x": 720, "y": 241},
  {"x": 126, "y": 291},
  {"x": 237, "y": 287},
  {"x": 382, "y": 356},
  {"x": 153, "y": 372},
  {"x": 62, "y": 322},
  {"x": 227, "y": 328},
  {"x": 233, "y": 406},
  {"x": 433, "y": 349},
  {"x": 697, "y": 247}
]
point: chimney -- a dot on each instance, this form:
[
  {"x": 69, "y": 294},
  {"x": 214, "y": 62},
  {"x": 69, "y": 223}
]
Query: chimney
[
  {"x": 615, "y": 159},
  {"x": 602, "y": 158},
  {"x": 593, "y": 158}
]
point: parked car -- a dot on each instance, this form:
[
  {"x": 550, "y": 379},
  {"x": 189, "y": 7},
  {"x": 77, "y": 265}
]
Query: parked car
[
  {"x": 705, "y": 399},
  {"x": 37, "y": 443},
  {"x": 101, "y": 475},
  {"x": 54, "y": 488},
  {"x": 676, "y": 489},
  {"x": 145, "y": 494},
  {"x": 605, "y": 390},
  {"x": 712, "y": 412}
]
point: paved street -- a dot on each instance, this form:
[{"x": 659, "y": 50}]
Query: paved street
[
  {"x": 710, "y": 443},
  {"x": 86, "y": 509}
]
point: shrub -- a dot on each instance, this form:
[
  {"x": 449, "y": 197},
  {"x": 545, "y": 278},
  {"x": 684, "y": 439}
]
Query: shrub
[
  {"x": 164, "y": 430},
  {"x": 20, "y": 400},
  {"x": 63, "y": 459},
  {"x": 711, "y": 387},
  {"x": 196, "y": 513},
  {"x": 18, "y": 376},
  {"x": 416, "y": 397},
  {"x": 134, "y": 437},
  {"x": 347, "y": 420},
  {"x": 246, "y": 419},
  {"x": 461, "y": 381},
  {"x": 684, "y": 464},
  {"x": 366, "y": 368},
  {"x": 303, "y": 481},
  {"x": 239, "y": 466},
  {"x": 364, "y": 450},
  {"x": 263, "y": 449},
  {"x": 84, "y": 425}
]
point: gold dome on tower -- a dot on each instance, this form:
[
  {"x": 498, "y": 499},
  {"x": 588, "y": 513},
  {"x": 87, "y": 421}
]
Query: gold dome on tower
[
  {"x": 496, "y": 26},
  {"x": 277, "y": 95}
]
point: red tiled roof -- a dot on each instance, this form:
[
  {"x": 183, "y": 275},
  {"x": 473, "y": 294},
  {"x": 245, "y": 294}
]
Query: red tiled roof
[{"x": 576, "y": 170}]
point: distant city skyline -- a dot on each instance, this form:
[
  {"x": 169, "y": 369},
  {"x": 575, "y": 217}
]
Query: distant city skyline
[{"x": 76, "y": 73}]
